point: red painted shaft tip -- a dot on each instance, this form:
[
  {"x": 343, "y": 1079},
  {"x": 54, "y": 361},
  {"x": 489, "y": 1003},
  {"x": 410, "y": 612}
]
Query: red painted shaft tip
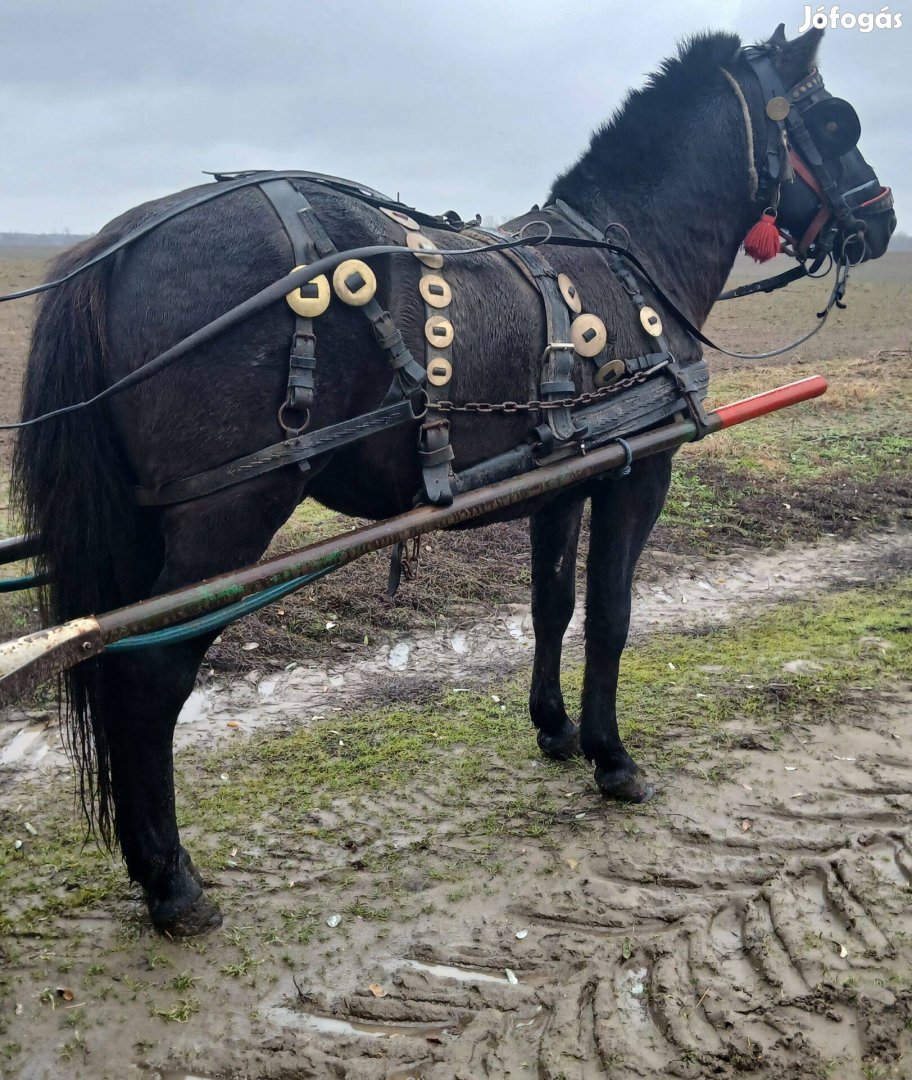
[{"x": 771, "y": 400}]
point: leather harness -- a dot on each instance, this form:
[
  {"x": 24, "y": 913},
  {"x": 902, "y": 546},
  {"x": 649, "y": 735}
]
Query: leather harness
[
  {"x": 310, "y": 242},
  {"x": 417, "y": 390}
]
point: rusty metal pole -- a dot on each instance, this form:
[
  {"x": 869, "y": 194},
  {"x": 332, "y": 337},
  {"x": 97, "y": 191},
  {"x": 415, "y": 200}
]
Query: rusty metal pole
[{"x": 26, "y": 662}]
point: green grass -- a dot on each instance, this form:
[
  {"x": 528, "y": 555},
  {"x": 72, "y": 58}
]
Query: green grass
[
  {"x": 671, "y": 685},
  {"x": 825, "y": 466}
]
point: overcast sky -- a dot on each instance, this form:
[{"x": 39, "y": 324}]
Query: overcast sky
[{"x": 473, "y": 105}]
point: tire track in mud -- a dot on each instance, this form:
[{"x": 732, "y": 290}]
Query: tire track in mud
[
  {"x": 671, "y": 594},
  {"x": 685, "y": 952}
]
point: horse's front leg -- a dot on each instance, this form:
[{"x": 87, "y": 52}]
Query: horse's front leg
[
  {"x": 623, "y": 514},
  {"x": 555, "y": 536}
]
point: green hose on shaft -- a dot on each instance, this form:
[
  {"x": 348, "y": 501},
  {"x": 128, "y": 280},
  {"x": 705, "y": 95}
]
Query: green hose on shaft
[{"x": 216, "y": 620}]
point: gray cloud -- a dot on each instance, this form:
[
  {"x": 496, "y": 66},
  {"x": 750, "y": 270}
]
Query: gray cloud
[{"x": 455, "y": 103}]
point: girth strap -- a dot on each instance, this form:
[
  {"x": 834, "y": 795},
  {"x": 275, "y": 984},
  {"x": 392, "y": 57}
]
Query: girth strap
[{"x": 557, "y": 368}]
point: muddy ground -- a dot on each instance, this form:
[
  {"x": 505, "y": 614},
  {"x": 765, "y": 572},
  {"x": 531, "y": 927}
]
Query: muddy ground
[{"x": 411, "y": 891}]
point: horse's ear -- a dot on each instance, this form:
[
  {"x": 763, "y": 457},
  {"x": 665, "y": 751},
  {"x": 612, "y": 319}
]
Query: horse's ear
[
  {"x": 795, "y": 59},
  {"x": 778, "y": 37}
]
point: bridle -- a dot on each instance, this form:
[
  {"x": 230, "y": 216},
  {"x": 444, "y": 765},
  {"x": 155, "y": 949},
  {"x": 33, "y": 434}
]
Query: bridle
[{"x": 803, "y": 129}]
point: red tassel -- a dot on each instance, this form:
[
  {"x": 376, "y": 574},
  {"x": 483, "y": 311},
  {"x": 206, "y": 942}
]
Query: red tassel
[{"x": 762, "y": 241}]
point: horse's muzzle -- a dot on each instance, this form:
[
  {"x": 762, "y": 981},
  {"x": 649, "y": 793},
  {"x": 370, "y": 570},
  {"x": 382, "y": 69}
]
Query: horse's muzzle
[{"x": 879, "y": 220}]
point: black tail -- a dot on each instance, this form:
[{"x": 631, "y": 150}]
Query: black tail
[{"x": 71, "y": 487}]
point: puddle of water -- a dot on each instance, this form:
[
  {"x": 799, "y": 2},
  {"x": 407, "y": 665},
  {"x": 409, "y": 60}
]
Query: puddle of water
[
  {"x": 267, "y": 688},
  {"x": 196, "y": 708},
  {"x": 631, "y": 995},
  {"x": 170, "y": 1075},
  {"x": 399, "y": 656},
  {"x": 332, "y": 1025},
  {"x": 21, "y": 743},
  {"x": 464, "y": 974},
  {"x": 516, "y": 629}
]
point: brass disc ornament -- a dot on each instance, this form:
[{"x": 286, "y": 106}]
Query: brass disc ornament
[
  {"x": 439, "y": 331},
  {"x": 652, "y": 324},
  {"x": 610, "y": 373},
  {"x": 401, "y": 219},
  {"x": 439, "y": 371},
  {"x": 777, "y": 108},
  {"x": 435, "y": 291},
  {"x": 424, "y": 249},
  {"x": 311, "y": 299},
  {"x": 569, "y": 293},
  {"x": 588, "y": 334},
  {"x": 354, "y": 282}
]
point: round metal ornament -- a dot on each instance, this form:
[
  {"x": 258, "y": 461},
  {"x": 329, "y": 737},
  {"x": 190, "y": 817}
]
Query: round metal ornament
[
  {"x": 439, "y": 371},
  {"x": 424, "y": 249},
  {"x": 439, "y": 331},
  {"x": 588, "y": 334},
  {"x": 435, "y": 291},
  {"x": 311, "y": 299},
  {"x": 652, "y": 324},
  {"x": 569, "y": 293},
  {"x": 777, "y": 108},
  {"x": 401, "y": 219},
  {"x": 354, "y": 282}
]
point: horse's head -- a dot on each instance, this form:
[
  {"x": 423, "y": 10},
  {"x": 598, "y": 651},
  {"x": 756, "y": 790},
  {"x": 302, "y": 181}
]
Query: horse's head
[{"x": 829, "y": 198}]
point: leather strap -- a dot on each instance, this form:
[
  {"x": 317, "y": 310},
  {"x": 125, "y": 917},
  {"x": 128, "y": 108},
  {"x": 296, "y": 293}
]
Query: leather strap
[
  {"x": 297, "y": 450},
  {"x": 288, "y": 204},
  {"x": 767, "y": 285},
  {"x": 228, "y": 182},
  {"x": 557, "y": 368},
  {"x": 623, "y": 273},
  {"x": 435, "y": 455}
]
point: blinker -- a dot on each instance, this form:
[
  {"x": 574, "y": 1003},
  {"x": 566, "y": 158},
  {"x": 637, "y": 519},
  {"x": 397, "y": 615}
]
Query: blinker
[{"x": 834, "y": 126}]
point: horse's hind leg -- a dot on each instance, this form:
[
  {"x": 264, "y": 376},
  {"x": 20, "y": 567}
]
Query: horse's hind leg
[
  {"x": 555, "y": 537},
  {"x": 146, "y": 689},
  {"x": 623, "y": 514}
]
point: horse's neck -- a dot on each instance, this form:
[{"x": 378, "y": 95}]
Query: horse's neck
[{"x": 687, "y": 227}]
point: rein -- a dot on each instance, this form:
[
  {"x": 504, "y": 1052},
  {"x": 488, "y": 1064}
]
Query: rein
[
  {"x": 836, "y": 293},
  {"x": 304, "y": 275}
]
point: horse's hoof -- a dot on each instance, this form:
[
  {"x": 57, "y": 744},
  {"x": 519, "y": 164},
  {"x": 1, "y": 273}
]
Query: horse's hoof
[
  {"x": 199, "y": 917},
  {"x": 561, "y": 746},
  {"x": 623, "y": 785}
]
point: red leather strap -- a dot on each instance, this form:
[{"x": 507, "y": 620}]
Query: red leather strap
[{"x": 823, "y": 214}]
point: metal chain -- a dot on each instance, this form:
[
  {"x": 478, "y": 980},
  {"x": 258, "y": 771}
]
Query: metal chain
[{"x": 562, "y": 403}]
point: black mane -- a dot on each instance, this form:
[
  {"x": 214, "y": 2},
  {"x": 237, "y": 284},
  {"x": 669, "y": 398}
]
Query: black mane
[{"x": 638, "y": 143}]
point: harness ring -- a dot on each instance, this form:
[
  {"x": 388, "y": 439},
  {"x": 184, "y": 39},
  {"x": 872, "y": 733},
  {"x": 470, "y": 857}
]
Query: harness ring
[{"x": 290, "y": 431}]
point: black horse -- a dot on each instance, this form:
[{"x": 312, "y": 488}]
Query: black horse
[{"x": 674, "y": 166}]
